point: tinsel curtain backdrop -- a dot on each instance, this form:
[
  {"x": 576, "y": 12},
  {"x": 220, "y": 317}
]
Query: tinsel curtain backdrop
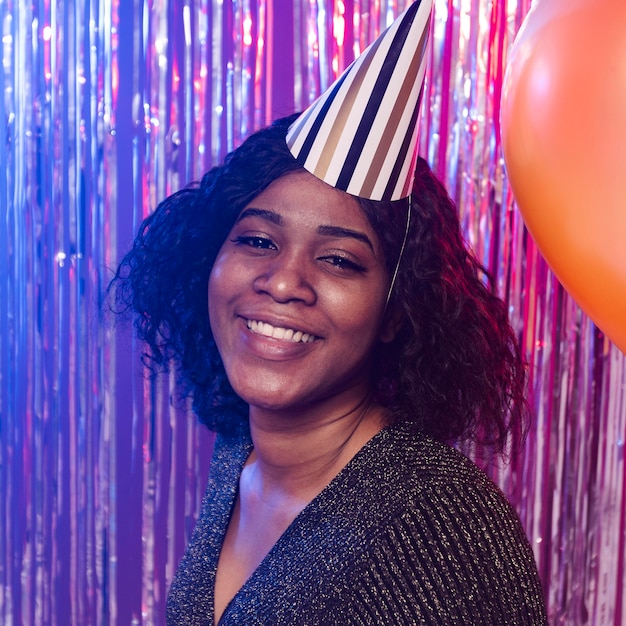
[{"x": 106, "y": 107}]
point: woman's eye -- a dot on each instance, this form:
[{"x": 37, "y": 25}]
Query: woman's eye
[
  {"x": 342, "y": 263},
  {"x": 254, "y": 241}
]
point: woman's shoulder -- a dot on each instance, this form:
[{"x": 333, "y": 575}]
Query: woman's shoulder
[
  {"x": 418, "y": 457},
  {"x": 450, "y": 525},
  {"x": 438, "y": 485},
  {"x": 441, "y": 496}
]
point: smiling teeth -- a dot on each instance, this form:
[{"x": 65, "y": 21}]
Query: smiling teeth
[{"x": 287, "y": 334}]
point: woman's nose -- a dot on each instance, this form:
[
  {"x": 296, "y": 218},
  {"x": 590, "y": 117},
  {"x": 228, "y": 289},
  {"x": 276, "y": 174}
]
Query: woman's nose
[{"x": 286, "y": 278}]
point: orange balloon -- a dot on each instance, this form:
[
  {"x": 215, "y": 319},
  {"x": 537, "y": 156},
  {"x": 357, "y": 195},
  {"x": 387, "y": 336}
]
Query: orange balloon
[{"x": 563, "y": 121}]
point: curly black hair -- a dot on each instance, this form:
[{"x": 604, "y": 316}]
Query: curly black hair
[{"x": 454, "y": 367}]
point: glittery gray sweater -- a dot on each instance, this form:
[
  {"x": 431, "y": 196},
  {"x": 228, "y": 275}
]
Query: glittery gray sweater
[{"x": 409, "y": 532}]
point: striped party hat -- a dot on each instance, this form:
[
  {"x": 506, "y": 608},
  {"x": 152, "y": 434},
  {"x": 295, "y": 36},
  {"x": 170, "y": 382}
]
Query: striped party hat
[{"x": 360, "y": 135}]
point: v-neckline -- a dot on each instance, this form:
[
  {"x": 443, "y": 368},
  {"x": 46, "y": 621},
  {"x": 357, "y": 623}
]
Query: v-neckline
[
  {"x": 335, "y": 528},
  {"x": 290, "y": 530}
]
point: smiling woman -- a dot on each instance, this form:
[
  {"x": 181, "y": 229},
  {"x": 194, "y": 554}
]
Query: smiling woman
[
  {"x": 333, "y": 403},
  {"x": 338, "y": 344}
]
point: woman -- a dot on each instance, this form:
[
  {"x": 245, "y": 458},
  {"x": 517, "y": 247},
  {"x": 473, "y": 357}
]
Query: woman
[{"x": 341, "y": 355}]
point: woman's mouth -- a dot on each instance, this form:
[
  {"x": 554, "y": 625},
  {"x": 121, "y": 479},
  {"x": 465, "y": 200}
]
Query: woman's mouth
[{"x": 278, "y": 332}]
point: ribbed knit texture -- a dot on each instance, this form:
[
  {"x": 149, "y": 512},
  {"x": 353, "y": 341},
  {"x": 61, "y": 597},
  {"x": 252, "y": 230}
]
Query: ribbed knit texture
[{"x": 409, "y": 532}]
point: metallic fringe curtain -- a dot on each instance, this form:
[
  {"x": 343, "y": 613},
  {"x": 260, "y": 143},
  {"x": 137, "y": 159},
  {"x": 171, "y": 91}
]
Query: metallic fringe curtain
[{"x": 106, "y": 107}]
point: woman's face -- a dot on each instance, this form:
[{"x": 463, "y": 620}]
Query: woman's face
[{"x": 296, "y": 297}]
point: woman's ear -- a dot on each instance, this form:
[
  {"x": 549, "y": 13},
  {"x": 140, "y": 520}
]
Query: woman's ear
[{"x": 392, "y": 321}]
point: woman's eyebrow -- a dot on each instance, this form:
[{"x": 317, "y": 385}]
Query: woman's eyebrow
[
  {"x": 338, "y": 231},
  {"x": 324, "y": 230},
  {"x": 265, "y": 214}
]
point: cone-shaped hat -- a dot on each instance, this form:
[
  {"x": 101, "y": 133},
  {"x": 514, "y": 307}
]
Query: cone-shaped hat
[{"x": 361, "y": 134}]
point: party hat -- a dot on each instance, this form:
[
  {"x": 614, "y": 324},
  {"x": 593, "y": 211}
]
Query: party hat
[{"x": 361, "y": 134}]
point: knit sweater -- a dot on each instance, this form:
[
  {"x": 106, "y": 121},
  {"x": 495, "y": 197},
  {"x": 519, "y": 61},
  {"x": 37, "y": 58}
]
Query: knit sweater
[{"x": 409, "y": 532}]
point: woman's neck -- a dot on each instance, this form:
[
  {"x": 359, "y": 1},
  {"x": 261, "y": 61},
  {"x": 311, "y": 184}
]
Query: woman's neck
[{"x": 300, "y": 455}]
